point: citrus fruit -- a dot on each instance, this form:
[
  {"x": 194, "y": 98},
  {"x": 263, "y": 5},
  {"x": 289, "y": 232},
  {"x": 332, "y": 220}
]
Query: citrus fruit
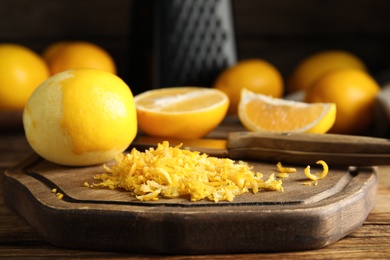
[
  {"x": 21, "y": 71},
  {"x": 80, "y": 117},
  {"x": 354, "y": 92},
  {"x": 183, "y": 112},
  {"x": 53, "y": 50},
  {"x": 256, "y": 75},
  {"x": 311, "y": 68},
  {"x": 261, "y": 113},
  {"x": 66, "y": 55}
]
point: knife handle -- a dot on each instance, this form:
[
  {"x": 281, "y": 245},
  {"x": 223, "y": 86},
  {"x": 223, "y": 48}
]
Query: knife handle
[
  {"x": 304, "y": 148},
  {"x": 307, "y": 142}
]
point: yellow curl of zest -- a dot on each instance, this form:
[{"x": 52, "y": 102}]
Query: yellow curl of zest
[
  {"x": 285, "y": 169},
  {"x": 320, "y": 176}
]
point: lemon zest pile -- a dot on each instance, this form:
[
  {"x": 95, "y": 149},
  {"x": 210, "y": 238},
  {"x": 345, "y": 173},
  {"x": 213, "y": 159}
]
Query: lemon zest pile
[
  {"x": 318, "y": 176},
  {"x": 172, "y": 172}
]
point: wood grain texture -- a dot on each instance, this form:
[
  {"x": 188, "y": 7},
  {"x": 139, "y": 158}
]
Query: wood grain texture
[
  {"x": 19, "y": 240},
  {"x": 337, "y": 150},
  {"x": 284, "y": 32},
  {"x": 308, "y": 142},
  {"x": 300, "y": 218},
  {"x": 292, "y": 148},
  {"x": 281, "y": 32}
]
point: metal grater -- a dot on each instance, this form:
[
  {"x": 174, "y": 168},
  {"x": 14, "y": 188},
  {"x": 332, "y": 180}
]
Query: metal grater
[{"x": 193, "y": 42}]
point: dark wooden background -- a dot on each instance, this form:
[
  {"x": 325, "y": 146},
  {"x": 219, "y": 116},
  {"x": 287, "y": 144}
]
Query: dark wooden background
[{"x": 282, "y": 31}]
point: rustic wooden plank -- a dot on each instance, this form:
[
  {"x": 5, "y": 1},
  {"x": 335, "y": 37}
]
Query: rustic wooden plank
[
  {"x": 282, "y": 33},
  {"x": 304, "y": 17},
  {"x": 351, "y": 247},
  {"x": 285, "y": 32},
  {"x": 368, "y": 240},
  {"x": 13, "y": 148},
  {"x": 24, "y": 18},
  {"x": 46, "y": 251},
  {"x": 63, "y": 19},
  {"x": 286, "y": 53},
  {"x": 203, "y": 227},
  {"x": 384, "y": 180}
]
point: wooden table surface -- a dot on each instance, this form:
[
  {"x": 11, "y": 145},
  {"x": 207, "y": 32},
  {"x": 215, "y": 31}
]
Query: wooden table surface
[{"x": 18, "y": 240}]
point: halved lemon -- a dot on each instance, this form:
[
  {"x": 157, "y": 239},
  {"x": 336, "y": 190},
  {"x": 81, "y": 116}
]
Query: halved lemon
[
  {"x": 262, "y": 113},
  {"x": 182, "y": 112}
]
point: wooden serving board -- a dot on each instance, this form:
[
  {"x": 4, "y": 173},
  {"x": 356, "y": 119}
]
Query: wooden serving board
[{"x": 300, "y": 218}]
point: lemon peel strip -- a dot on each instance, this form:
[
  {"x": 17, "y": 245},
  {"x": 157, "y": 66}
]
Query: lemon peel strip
[
  {"x": 282, "y": 169},
  {"x": 320, "y": 176}
]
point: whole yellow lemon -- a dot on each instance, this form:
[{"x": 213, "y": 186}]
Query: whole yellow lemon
[
  {"x": 354, "y": 92},
  {"x": 317, "y": 64},
  {"x": 256, "y": 75},
  {"x": 66, "y": 55},
  {"x": 80, "y": 117},
  {"x": 21, "y": 72}
]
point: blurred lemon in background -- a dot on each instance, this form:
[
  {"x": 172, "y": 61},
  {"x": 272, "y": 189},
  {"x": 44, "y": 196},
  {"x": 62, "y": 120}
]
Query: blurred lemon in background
[
  {"x": 21, "y": 72},
  {"x": 80, "y": 117},
  {"x": 53, "y": 50},
  {"x": 316, "y": 65},
  {"x": 256, "y": 75},
  {"x": 182, "y": 112},
  {"x": 65, "y": 55},
  {"x": 353, "y": 91},
  {"x": 261, "y": 113}
]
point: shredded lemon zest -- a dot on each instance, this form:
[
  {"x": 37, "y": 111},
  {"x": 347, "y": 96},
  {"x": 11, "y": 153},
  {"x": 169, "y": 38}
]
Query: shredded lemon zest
[
  {"x": 283, "y": 175},
  {"x": 317, "y": 176},
  {"x": 172, "y": 172},
  {"x": 59, "y": 195},
  {"x": 285, "y": 169}
]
